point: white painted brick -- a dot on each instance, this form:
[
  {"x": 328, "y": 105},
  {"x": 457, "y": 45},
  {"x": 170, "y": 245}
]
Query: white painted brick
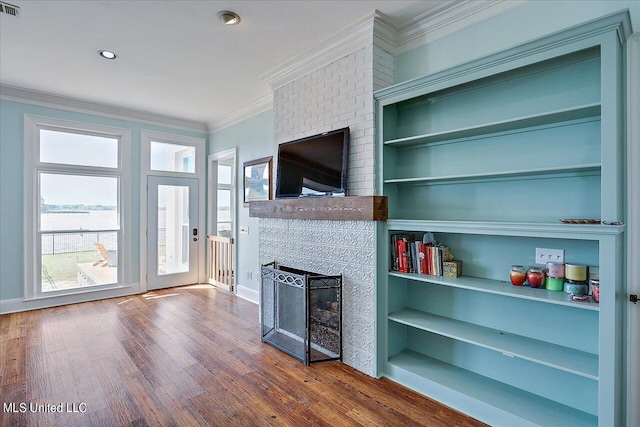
[{"x": 337, "y": 95}]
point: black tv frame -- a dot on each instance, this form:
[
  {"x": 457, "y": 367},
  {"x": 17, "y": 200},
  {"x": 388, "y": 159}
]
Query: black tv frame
[{"x": 345, "y": 158}]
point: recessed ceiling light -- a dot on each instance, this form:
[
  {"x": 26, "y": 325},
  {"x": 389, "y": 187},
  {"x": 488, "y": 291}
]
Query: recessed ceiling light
[
  {"x": 228, "y": 18},
  {"x": 107, "y": 54}
]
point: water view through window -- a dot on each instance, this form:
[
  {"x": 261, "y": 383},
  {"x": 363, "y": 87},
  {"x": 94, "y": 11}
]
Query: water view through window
[{"x": 78, "y": 231}]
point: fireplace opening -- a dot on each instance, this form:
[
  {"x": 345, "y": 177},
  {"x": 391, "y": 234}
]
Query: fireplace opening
[{"x": 301, "y": 313}]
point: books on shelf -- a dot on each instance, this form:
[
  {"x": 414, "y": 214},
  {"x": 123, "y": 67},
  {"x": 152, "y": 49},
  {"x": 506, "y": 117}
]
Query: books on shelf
[{"x": 422, "y": 255}]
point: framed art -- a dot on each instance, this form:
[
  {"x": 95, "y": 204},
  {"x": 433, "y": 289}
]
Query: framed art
[{"x": 257, "y": 179}]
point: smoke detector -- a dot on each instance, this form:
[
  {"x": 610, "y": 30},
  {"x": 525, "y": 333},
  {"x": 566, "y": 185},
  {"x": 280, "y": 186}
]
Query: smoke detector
[{"x": 9, "y": 9}]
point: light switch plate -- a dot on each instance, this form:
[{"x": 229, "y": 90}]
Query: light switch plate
[
  {"x": 544, "y": 256},
  {"x": 244, "y": 229}
]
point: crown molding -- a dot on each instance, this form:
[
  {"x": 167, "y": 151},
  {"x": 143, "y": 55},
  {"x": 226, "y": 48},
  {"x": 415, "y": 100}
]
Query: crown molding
[
  {"x": 450, "y": 18},
  {"x": 59, "y": 102},
  {"x": 385, "y": 33},
  {"x": 263, "y": 103},
  {"x": 347, "y": 41},
  {"x": 446, "y": 19}
]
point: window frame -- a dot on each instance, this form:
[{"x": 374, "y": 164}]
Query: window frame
[{"x": 34, "y": 168}]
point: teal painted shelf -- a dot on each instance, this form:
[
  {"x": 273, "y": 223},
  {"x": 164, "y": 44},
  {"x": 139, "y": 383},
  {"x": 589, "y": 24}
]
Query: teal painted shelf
[
  {"x": 508, "y": 405},
  {"x": 498, "y": 287},
  {"x": 556, "y": 171},
  {"x": 552, "y": 355},
  {"x": 517, "y": 229},
  {"x": 551, "y": 117}
]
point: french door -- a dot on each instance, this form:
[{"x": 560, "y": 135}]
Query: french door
[{"x": 172, "y": 233}]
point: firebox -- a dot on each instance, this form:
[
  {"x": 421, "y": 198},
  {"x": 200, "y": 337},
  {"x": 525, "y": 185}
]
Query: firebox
[{"x": 301, "y": 313}]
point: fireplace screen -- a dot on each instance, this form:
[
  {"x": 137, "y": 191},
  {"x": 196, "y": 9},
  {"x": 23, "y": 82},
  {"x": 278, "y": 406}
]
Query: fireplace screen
[{"x": 301, "y": 313}]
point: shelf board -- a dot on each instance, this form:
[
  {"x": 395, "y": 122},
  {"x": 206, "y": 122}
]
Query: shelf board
[
  {"x": 552, "y": 355},
  {"x": 517, "y": 229},
  {"x": 353, "y": 208},
  {"x": 453, "y": 385},
  {"x": 523, "y": 122},
  {"x": 571, "y": 170},
  {"x": 498, "y": 287}
]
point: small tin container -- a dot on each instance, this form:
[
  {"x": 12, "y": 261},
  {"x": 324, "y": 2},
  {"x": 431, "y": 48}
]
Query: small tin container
[
  {"x": 555, "y": 284},
  {"x": 594, "y": 286},
  {"x": 577, "y": 273},
  {"x": 555, "y": 270},
  {"x": 576, "y": 288}
]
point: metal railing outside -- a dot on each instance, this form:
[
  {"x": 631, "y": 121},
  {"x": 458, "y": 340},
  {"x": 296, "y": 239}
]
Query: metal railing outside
[{"x": 64, "y": 242}]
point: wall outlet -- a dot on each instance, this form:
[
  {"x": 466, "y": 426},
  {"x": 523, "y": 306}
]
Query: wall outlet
[
  {"x": 249, "y": 275},
  {"x": 544, "y": 256},
  {"x": 244, "y": 229}
]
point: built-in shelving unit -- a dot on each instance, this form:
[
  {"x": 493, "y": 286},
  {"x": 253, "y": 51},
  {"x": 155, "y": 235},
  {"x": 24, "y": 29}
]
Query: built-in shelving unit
[{"x": 489, "y": 157}]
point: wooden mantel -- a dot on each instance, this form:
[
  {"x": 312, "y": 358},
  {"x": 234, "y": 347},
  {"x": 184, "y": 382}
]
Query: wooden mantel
[{"x": 353, "y": 208}]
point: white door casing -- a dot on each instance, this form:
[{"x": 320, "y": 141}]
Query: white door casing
[{"x": 147, "y": 137}]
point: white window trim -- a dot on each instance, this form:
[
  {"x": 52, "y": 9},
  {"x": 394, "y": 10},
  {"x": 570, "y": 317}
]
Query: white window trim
[
  {"x": 146, "y": 136},
  {"x": 32, "y": 168},
  {"x": 213, "y": 185}
]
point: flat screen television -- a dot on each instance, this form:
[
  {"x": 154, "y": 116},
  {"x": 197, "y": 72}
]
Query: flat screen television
[{"x": 313, "y": 166}]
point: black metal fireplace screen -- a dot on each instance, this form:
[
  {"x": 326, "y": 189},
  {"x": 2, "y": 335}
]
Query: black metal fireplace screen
[{"x": 301, "y": 313}]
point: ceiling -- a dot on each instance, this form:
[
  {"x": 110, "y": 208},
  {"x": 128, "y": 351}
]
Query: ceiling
[{"x": 175, "y": 58}]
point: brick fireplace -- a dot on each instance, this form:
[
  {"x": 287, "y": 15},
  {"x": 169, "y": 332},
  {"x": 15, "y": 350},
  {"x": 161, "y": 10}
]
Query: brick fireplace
[{"x": 334, "y": 96}]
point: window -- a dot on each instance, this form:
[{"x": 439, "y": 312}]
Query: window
[
  {"x": 225, "y": 193},
  {"x": 77, "y": 176},
  {"x": 169, "y": 157},
  {"x": 68, "y": 148}
]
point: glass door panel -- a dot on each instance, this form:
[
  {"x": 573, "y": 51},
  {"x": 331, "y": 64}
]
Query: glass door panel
[
  {"x": 173, "y": 229},
  {"x": 173, "y": 236}
]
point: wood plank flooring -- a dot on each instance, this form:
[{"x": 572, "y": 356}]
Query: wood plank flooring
[{"x": 185, "y": 356}]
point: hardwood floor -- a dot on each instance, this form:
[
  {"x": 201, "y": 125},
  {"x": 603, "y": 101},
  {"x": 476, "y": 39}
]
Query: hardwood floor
[{"x": 184, "y": 356}]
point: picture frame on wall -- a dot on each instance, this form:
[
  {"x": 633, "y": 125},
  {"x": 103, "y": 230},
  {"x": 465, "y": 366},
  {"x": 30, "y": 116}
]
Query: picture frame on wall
[{"x": 257, "y": 179}]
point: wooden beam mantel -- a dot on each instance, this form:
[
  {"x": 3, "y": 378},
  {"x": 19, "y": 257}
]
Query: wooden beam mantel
[{"x": 353, "y": 208}]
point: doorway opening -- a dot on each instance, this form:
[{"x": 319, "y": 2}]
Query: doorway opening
[
  {"x": 222, "y": 219},
  {"x": 172, "y": 210}
]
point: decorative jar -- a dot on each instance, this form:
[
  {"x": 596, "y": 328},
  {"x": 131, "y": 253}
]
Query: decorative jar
[
  {"x": 518, "y": 275},
  {"x": 535, "y": 277}
]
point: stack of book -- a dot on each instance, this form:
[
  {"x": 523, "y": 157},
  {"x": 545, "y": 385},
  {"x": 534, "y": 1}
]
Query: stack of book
[{"x": 410, "y": 254}]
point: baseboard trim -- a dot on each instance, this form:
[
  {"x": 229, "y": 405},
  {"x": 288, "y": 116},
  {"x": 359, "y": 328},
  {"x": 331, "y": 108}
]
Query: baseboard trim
[
  {"x": 16, "y": 305},
  {"x": 248, "y": 294}
]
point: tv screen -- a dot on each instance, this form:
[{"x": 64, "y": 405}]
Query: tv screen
[{"x": 313, "y": 166}]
